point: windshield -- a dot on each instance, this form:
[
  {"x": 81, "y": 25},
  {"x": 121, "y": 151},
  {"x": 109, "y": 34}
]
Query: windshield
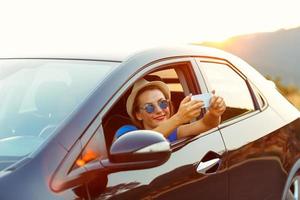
[{"x": 36, "y": 95}]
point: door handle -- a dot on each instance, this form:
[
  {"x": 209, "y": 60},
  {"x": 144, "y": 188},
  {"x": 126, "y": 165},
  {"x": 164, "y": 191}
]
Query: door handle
[
  {"x": 204, "y": 167},
  {"x": 209, "y": 164}
]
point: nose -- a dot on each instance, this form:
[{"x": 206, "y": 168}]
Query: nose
[{"x": 158, "y": 109}]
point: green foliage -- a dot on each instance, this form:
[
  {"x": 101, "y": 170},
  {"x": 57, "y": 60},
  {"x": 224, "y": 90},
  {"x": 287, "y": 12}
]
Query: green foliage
[
  {"x": 284, "y": 89},
  {"x": 291, "y": 92}
]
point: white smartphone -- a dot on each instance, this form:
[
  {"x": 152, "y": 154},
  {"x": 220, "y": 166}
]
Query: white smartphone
[{"x": 205, "y": 97}]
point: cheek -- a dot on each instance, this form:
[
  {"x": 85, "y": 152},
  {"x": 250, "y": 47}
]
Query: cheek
[
  {"x": 168, "y": 112},
  {"x": 169, "y": 109},
  {"x": 143, "y": 116}
]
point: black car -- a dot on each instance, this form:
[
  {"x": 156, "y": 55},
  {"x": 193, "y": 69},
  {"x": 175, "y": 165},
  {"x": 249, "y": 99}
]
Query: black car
[{"x": 58, "y": 119}]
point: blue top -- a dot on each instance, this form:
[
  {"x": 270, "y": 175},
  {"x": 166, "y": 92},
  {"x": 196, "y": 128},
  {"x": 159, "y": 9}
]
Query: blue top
[{"x": 126, "y": 128}]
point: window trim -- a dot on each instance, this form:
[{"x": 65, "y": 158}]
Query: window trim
[
  {"x": 65, "y": 171},
  {"x": 146, "y": 70},
  {"x": 177, "y": 145},
  {"x": 238, "y": 119},
  {"x": 256, "y": 105},
  {"x": 194, "y": 74},
  {"x": 258, "y": 94}
]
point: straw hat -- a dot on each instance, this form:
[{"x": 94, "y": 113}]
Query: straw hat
[{"x": 140, "y": 84}]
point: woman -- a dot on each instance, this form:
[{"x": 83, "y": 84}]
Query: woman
[{"x": 148, "y": 106}]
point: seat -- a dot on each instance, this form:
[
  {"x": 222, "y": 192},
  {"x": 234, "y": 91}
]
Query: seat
[
  {"x": 116, "y": 118},
  {"x": 46, "y": 107},
  {"x": 112, "y": 124},
  {"x": 153, "y": 78},
  {"x": 176, "y": 98},
  {"x": 53, "y": 102}
]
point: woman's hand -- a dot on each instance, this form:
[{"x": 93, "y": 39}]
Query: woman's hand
[
  {"x": 188, "y": 110},
  {"x": 217, "y": 106}
]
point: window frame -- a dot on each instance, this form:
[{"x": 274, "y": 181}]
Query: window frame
[
  {"x": 68, "y": 171},
  {"x": 257, "y": 107},
  {"x": 192, "y": 72},
  {"x": 258, "y": 94}
]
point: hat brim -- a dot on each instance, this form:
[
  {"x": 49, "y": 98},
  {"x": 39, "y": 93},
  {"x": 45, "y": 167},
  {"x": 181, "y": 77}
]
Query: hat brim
[{"x": 159, "y": 84}]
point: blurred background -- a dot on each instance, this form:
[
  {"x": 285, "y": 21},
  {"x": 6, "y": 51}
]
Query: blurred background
[
  {"x": 275, "y": 54},
  {"x": 266, "y": 33}
]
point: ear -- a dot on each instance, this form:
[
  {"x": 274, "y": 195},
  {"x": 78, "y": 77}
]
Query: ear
[{"x": 138, "y": 116}]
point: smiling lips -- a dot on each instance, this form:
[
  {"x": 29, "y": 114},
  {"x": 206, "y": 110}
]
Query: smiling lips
[{"x": 159, "y": 118}]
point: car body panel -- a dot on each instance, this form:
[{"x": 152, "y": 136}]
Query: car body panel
[
  {"x": 32, "y": 180},
  {"x": 176, "y": 178},
  {"x": 264, "y": 163},
  {"x": 252, "y": 148}
]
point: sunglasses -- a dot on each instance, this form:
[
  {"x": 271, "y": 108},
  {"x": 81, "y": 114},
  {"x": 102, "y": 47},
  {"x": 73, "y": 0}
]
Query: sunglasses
[{"x": 150, "y": 108}]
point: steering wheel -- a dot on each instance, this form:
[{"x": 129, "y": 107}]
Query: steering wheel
[{"x": 47, "y": 130}]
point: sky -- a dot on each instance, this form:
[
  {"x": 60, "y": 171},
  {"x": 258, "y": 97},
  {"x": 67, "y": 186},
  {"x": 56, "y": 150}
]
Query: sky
[{"x": 118, "y": 25}]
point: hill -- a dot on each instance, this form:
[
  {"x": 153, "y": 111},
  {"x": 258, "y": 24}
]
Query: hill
[{"x": 275, "y": 54}]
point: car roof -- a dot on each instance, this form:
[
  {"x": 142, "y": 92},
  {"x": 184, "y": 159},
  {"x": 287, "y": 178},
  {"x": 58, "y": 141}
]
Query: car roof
[
  {"x": 159, "y": 53},
  {"x": 67, "y": 56},
  {"x": 120, "y": 55}
]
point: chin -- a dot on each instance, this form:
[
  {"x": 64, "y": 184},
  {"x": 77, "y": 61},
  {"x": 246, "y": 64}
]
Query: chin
[{"x": 158, "y": 122}]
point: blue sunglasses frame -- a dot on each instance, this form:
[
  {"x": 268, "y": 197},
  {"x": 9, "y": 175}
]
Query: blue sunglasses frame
[{"x": 150, "y": 107}]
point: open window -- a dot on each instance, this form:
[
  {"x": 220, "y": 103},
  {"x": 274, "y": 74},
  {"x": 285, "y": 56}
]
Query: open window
[
  {"x": 180, "y": 78},
  {"x": 96, "y": 143}
]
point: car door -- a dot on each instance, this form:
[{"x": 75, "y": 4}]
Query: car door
[
  {"x": 255, "y": 147},
  {"x": 196, "y": 167}
]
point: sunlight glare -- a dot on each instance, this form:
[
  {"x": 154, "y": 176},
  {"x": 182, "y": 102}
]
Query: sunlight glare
[{"x": 69, "y": 26}]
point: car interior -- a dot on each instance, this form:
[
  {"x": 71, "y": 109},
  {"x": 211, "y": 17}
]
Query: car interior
[
  {"x": 119, "y": 117},
  {"x": 45, "y": 110},
  {"x": 173, "y": 76}
]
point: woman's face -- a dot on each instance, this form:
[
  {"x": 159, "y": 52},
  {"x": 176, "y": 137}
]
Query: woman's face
[{"x": 152, "y": 120}]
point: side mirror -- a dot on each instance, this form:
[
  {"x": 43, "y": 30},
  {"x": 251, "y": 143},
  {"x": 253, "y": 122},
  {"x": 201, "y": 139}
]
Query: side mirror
[
  {"x": 134, "y": 150},
  {"x": 142, "y": 147}
]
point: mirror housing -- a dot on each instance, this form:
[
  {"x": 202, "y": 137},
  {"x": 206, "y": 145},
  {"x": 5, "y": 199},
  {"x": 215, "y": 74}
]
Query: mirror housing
[
  {"x": 139, "y": 149},
  {"x": 140, "y": 146}
]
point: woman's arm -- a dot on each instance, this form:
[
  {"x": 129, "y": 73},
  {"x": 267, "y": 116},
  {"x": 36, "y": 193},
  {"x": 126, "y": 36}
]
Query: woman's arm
[
  {"x": 210, "y": 120},
  {"x": 188, "y": 110}
]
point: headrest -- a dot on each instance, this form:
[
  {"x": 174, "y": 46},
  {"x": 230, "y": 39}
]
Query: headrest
[{"x": 48, "y": 96}]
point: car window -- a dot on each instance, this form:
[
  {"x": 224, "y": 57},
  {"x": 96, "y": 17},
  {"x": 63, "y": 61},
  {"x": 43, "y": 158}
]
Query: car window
[
  {"x": 228, "y": 84},
  {"x": 94, "y": 149},
  {"x": 170, "y": 77},
  {"x": 37, "y": 95},
  {"x": 169, "y": 73},
  {"x": 43, "y": 76}
]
